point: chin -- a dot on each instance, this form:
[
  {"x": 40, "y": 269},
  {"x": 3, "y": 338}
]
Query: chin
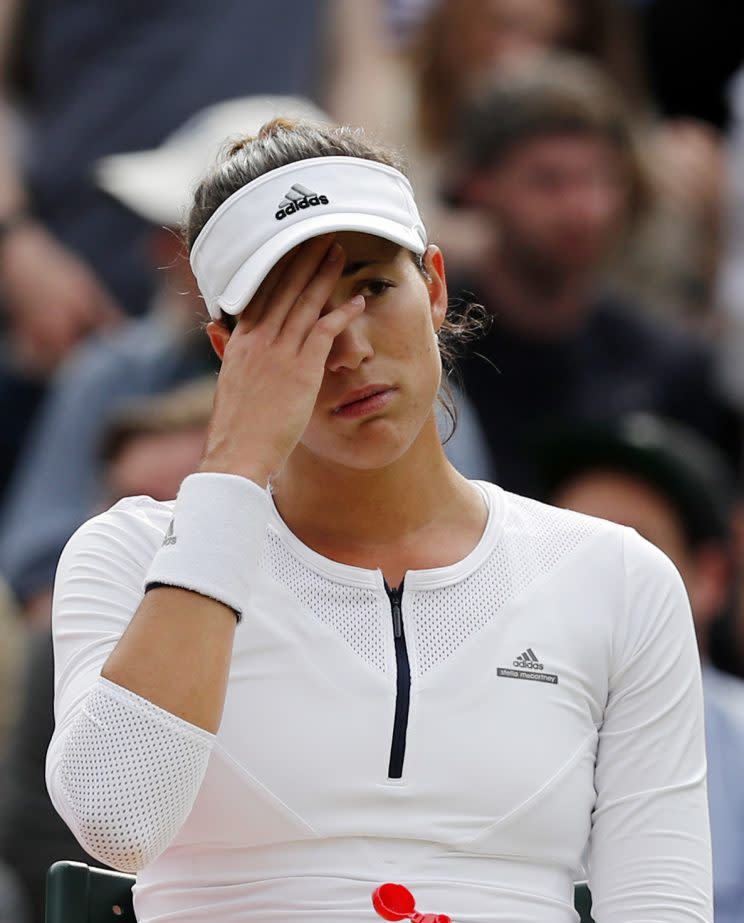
[
  {"x": 371, "y": 448},
  {"x": 372, "y": 460}
]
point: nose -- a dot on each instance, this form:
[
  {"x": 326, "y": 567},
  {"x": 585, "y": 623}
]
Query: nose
[{"x": 351, "y": 347}]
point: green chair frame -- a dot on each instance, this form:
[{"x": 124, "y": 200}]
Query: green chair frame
[{"x": 78, "y": 893}]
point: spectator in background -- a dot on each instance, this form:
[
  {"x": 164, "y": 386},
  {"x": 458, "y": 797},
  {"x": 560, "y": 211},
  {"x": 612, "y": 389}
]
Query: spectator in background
[
  {"x": 688, "y": 51},
  {"x": 730, "y": 282},
  {"x": 416, "y": 64},
  {"x": 547, "y": 154},
  {"x": 147, "y": 447},
  {"x": 669, "y": 485}
]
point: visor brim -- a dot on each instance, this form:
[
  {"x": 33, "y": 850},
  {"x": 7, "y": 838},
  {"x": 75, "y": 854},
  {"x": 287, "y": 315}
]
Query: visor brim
[{"x": 245, "y": 282}]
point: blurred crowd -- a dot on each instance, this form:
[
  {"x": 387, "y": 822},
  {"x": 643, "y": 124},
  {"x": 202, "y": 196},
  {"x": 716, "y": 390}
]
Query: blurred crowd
[{"x": 581, "y": 164}]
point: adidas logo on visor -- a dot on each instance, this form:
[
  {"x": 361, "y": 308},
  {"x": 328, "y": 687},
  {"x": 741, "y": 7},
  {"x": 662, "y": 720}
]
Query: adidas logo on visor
[{"x": 297, "y": 198}]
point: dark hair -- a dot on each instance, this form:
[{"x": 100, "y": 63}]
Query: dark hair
[
  {"x": 188, "y": 406},
  {"x": 560, "y": 94},
  {"x": 284, "y": 141}
]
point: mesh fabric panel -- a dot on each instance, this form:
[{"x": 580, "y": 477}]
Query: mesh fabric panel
[
  {"x": 536, "y": 538},
  {"x": 131, "y": 773},
  {"x": 353, "y": 612}
]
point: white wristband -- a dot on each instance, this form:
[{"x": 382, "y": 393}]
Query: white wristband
[{"x": 214, "y": 540}]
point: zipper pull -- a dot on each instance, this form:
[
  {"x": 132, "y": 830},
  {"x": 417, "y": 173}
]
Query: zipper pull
[{"x": 397, "y": 614}]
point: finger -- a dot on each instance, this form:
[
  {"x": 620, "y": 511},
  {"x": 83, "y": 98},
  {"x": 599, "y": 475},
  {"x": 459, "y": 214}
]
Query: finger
[
  {"x": 319, "y": 341},
  {"x": 315, "y": 244},
  {"x": 313, "y": 298},
  {"x": 253, "y": 311},
  {"x": 311, "y": 261},
  {"x": 281, "y": 275}
]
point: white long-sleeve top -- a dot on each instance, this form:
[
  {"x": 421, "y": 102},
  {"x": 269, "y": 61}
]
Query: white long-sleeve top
[{"x": 542, "y": 696}]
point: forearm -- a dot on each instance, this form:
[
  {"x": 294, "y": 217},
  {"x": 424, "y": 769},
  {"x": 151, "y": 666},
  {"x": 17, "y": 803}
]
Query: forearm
[{"x": 176, "y": 653}]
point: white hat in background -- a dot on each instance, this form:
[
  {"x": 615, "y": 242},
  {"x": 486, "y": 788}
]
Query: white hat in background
[{"x": 158, "y": 184}]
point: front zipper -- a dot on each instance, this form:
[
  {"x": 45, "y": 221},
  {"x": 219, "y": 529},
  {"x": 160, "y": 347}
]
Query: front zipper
[{"x": 403, "y": 686}]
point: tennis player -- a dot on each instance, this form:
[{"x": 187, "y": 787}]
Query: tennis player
[{"x": 332, "y": 661}]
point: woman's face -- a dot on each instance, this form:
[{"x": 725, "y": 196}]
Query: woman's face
[{"x": 390, "y": 351}]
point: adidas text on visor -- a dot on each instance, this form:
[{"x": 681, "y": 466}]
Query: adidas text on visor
[{"x": 259, "y": 223}]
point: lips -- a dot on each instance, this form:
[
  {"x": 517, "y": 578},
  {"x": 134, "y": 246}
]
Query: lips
[
  {"x": 360, "y": 394},
  {"x": 364, "y": 402}
]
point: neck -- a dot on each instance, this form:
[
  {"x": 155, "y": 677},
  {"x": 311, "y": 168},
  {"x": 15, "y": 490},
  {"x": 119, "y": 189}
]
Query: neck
[
  {"x": 367, "y": 517},
  {"x": 540, "y": 304}
]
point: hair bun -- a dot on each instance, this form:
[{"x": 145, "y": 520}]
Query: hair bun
[
  {"x": 266, "y": 132},
  {"x": 237, "y": 146},
  {"x": 275, "y": 126}
]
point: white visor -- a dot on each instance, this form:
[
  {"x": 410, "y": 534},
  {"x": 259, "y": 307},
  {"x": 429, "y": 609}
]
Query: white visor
[{"x": 259, "y": 223}]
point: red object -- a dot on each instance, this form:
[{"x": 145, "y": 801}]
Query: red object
[{"x": 395, "y": 902}]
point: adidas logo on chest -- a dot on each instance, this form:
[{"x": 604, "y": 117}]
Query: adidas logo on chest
[
  {"x": 527, "y": 666},
  {"x": 298, "y": 197},
  {"x": 528, "y": 661}
]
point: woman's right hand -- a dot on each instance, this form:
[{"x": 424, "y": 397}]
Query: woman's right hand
[{"x": 274, "y": 361}]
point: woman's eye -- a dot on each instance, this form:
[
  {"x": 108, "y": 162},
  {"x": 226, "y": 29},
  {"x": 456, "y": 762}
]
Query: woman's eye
[{"x": 375, "y": 288}]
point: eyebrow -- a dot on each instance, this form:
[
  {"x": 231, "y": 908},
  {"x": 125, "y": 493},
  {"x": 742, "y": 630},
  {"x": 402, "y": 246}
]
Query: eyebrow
[{"x": 351, "y": 269}]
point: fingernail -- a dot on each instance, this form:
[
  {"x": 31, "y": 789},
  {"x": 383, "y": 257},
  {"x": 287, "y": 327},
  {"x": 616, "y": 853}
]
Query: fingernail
[
  {"x": 334, "y": 253},
  {"x": 358, "y": 301}
]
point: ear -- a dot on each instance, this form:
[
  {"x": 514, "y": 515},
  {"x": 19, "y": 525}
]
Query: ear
[
  {"x": 436, "y": 283},
  {"x": 218, "y": 336}
]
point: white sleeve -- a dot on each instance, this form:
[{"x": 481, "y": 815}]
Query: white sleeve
[
  {"x": 122, "y": 772},
  {"x": 649, "y": 850}
]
